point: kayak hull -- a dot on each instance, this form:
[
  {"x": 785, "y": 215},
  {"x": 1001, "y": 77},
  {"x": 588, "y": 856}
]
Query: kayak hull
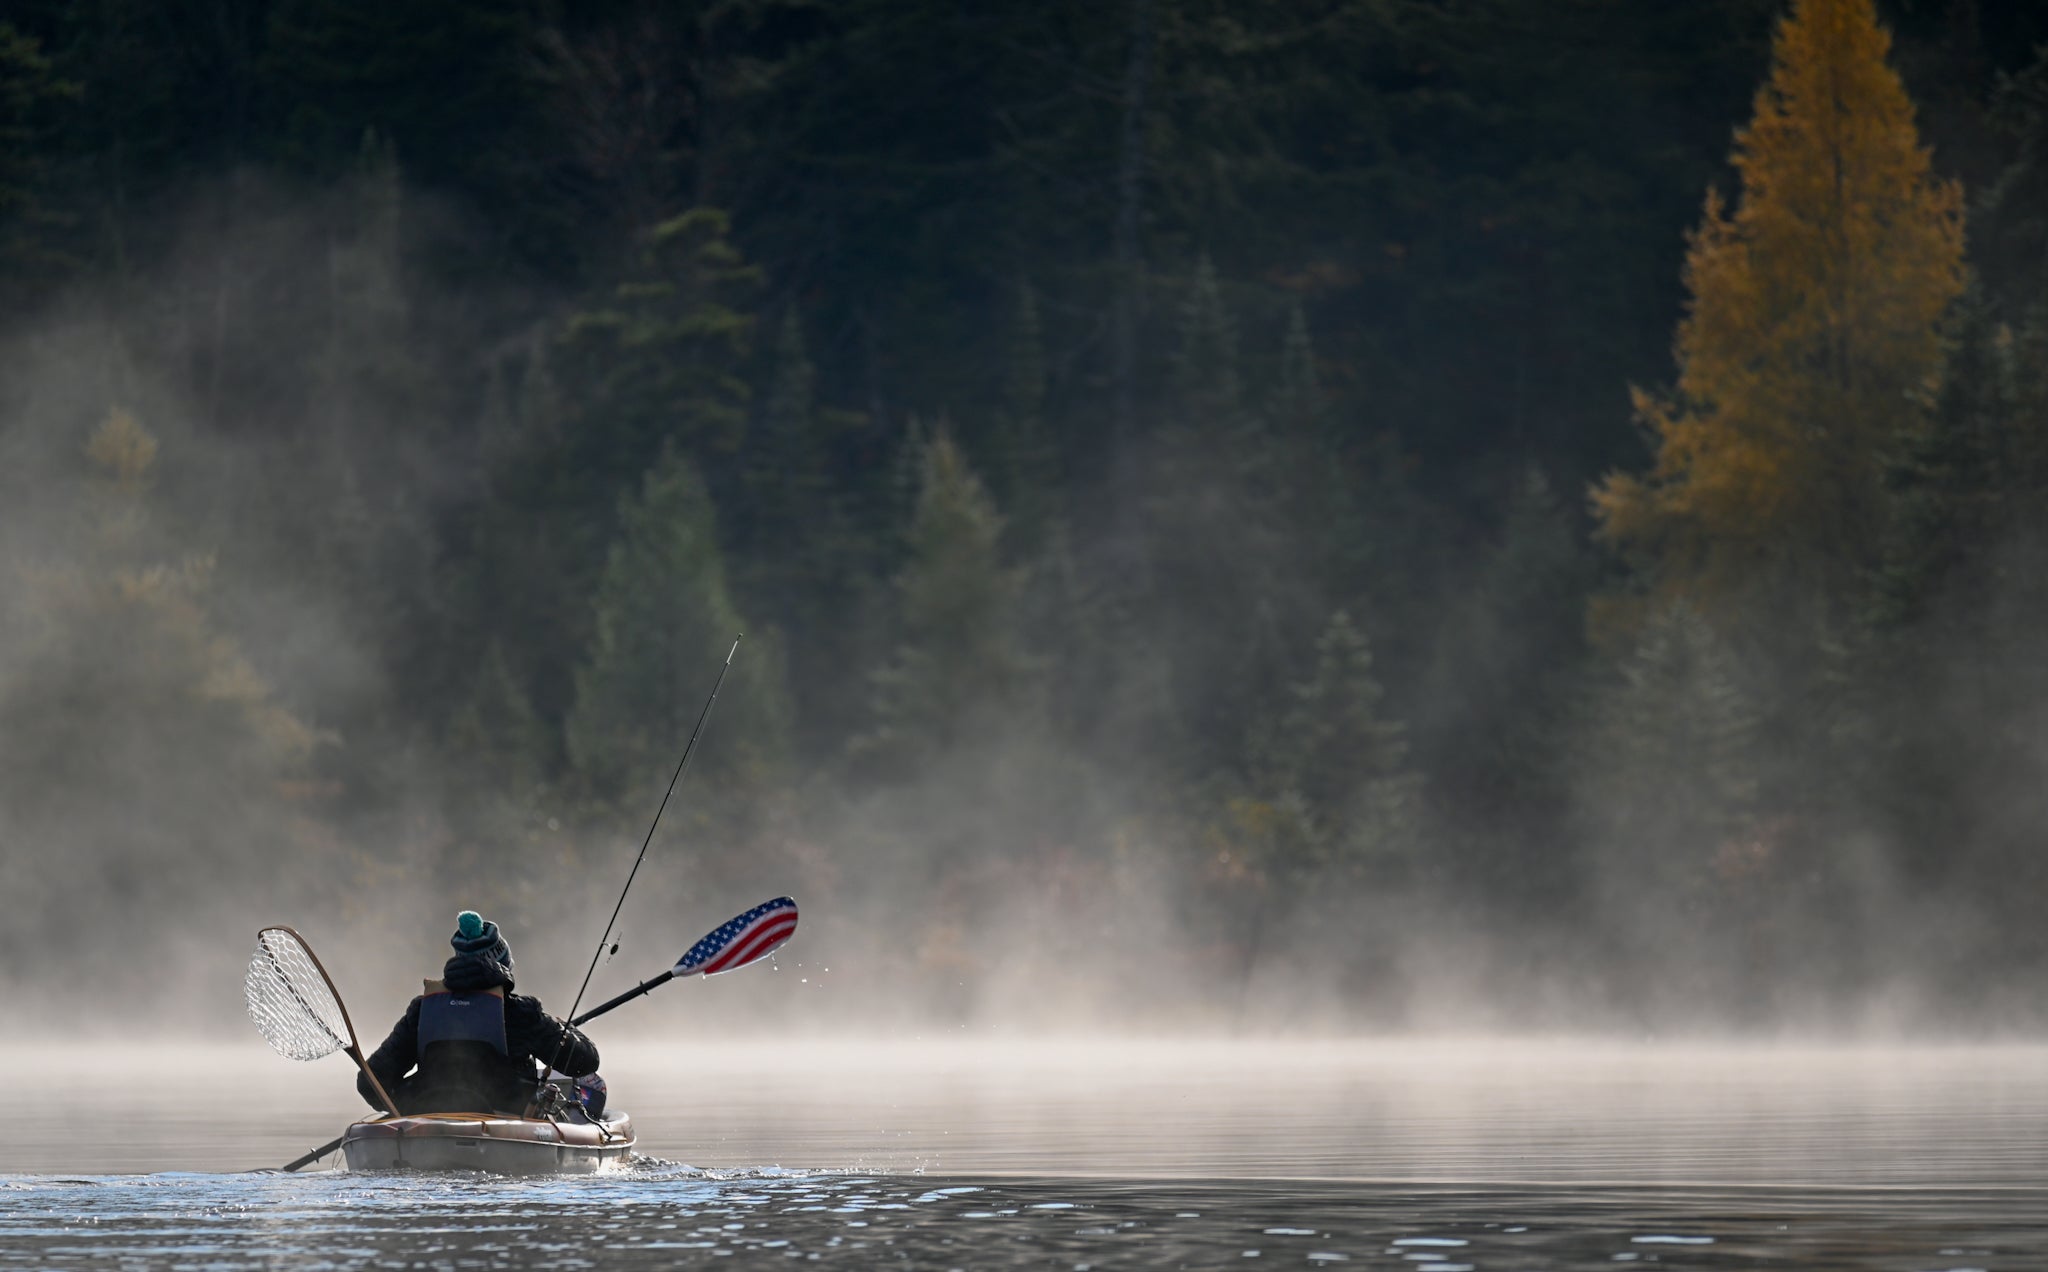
[{"x": 501, "y": 1145}]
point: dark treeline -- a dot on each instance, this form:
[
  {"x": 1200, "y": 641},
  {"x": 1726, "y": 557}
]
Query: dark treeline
[{"x": 1148, "y": 447}]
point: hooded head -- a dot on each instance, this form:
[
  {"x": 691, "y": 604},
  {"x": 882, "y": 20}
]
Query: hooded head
[{"x": 482, "y": 958}]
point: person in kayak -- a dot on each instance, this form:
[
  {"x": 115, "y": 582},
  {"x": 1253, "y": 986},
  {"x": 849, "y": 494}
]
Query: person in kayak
[{"x": 475, "y": 1043}]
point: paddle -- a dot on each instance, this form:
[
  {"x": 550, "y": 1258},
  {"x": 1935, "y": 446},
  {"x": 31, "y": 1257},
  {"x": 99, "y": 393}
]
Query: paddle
[
  {"x": 743, "y": 939},
  {"x": 740, "y": 940}
]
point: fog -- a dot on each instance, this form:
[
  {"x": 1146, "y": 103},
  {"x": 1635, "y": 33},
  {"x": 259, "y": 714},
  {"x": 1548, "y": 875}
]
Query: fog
[
  {"x": 1169, "y": 609},
  {"x": 1536, "y": 1112},
  {"x": 204, "y": 483},
  {"x": 207, "y": 732}
]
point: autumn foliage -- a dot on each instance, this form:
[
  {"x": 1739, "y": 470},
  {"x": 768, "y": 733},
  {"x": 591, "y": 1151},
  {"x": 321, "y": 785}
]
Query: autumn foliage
[{"x": 1811, "y": 344}]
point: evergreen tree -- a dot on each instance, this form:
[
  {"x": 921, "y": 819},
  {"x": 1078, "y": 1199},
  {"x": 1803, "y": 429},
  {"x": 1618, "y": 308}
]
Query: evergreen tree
[
  {"x": 1812, "y": 339},
  {"x": 499, "y": 758},
  {"x": 785, "y": 519},
  {"x": 661, "y": 618},
  {"x": 1670, "y": 783},
  {"x": 520, "y": 566},
  {"x": 798, "y": 559},
  {"x": 1948, "y": 480},
  {"x": 1950, "y": 674},
  {"x": 1341, "y": 760},
  {"x": 495, "y": 734},
  {"x": 1333, "y": 820},
  {"x": 1226, "y": 593},
  {"x": 1350, "y": 522},
  {"x": 631, "y": 91},
  {"x": 657, "y": 363},
  {"x": 1508, "y": 664},
  {"x": 957, "y": 674},
  {"x": 1205, "y": 367},
  {"x": 2009, "y": 232},
  {"x": 660, "y": 362}
]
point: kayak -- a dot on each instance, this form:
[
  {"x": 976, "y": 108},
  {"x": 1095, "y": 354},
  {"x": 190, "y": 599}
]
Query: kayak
[{"x": 502, "y": 1145}]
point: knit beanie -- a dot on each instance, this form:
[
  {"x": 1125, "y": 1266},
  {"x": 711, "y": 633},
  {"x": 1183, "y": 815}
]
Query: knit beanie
[{"x": 474, "y": 934}]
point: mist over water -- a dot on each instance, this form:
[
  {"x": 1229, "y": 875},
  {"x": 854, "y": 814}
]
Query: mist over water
[
  {"x": 1485, "y": 1153},
  {"x": 1473, "y": 1110},
  {"x": 217, "y": 633},
  {"x": 217, "y": 630}
]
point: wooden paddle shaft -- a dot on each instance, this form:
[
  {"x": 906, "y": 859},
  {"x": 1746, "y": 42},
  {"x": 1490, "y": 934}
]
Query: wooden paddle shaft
[{"x": 383, "y": 1097}]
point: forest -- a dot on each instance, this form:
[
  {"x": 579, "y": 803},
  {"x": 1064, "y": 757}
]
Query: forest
[{"x": 1311, "y": 514}]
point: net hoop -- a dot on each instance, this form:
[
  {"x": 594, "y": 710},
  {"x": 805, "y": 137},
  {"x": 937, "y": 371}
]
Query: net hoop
[
  {"x": 291, "y": 999},
  {"x": 294, "y": 1004}
]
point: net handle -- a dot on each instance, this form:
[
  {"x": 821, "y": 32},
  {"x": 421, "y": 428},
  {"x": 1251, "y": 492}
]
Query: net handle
[{"x": 354, "y": 1049}]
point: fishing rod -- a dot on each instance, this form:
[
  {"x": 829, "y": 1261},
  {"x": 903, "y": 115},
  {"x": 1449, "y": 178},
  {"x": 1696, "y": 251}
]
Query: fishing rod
[{"x": 688, "y": 748}]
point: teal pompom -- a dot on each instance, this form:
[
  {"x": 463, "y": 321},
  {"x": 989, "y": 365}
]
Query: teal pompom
[{"x": 470, "y": 924}]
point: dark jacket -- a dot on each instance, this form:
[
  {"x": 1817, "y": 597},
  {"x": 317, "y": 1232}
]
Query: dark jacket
[{"x": 474, "y": 1080}]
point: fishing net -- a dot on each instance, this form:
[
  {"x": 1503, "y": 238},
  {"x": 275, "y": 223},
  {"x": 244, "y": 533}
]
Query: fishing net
[{"x": 290, "y": 1000}]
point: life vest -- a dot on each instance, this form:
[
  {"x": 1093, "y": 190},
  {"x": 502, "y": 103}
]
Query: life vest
[{"x": 472, "y": 1016}]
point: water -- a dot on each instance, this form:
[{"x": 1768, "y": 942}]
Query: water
[{"x": 1064, "y": 1155}]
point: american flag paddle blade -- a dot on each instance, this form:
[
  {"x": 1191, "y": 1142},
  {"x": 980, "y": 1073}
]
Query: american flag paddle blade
[{"x": 741, "y": 939}]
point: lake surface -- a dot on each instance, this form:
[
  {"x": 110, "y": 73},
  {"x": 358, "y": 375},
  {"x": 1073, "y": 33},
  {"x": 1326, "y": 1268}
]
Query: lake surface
[{"x": 946, "y": 1153}]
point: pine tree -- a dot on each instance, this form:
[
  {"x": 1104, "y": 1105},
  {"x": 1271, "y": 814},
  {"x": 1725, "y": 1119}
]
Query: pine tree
[
  {"x": 1671, "y": 773},
  {"x": 1228, "y": 593},
  {"x": 655, "y": 362},
  {"x": 1949, "y": 673},
  {"x": 1506, "y": 670},
  {"x": 785, "y": 519},
  {"x": 797, "y": 561},
  {"x": 1339, "y": 759},
  {"x": 1813, "y": 336},
  {"x": 957, "y": 673},
  {"x": 495, "y": 732},
  {"x": 661, "y": 620},
  {"x": 1948, "y": 479},
  {"x": 369, "y": 380},
  {"x": 2009, "y": 232},
  {"x": 660, "y": 362}
]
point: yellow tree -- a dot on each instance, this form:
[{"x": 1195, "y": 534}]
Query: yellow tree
[
  {"x": 1811, "y": 343},
  {"x": 144, "y": 759}
]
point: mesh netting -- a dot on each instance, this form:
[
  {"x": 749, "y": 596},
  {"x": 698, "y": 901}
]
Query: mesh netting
[{"x": 289, "y": 999}]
